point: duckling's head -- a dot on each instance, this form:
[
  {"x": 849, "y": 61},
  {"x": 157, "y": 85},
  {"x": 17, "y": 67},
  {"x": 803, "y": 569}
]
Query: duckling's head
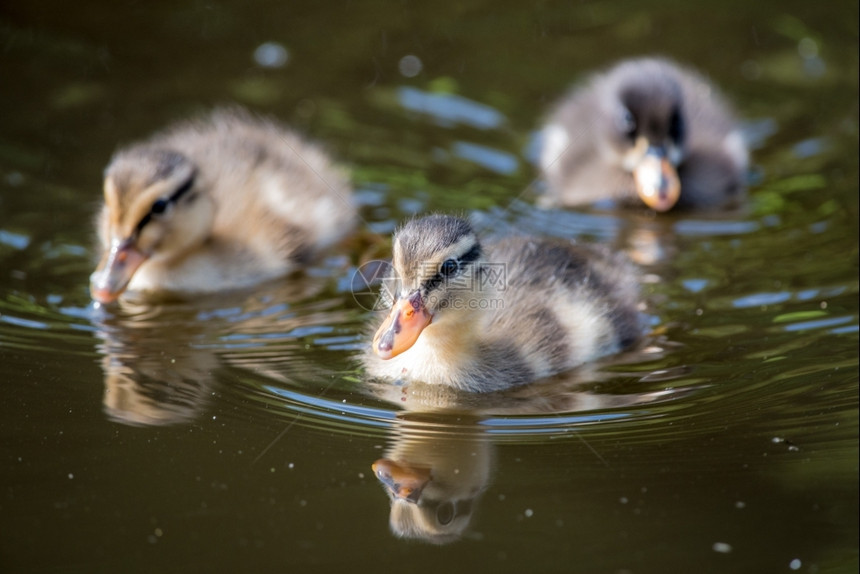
[
  {"x": 438, "y": 279},
  {"x": 644, "y": 126},
  {"x": 154, "y": 210}
]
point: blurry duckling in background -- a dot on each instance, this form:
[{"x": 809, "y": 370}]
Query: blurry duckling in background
[
  {"x": 485, "y": 318},
  {"x": 646, "y": 129},
  {"x": 221, "y": 202}
]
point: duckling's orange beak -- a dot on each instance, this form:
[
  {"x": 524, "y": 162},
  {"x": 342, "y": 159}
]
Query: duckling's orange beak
[
  {"x": 656, "y": 180},
  {"x": 402, "y": 327},
  {"x": 402, "y": 481},
  {"x": 115, "y": 270}
]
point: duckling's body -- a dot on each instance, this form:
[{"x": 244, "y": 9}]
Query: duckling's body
[
  {"x": 646, "y": 128},
  {"x": 512, "y": 312},
  {"x": 222, "y": 202}
]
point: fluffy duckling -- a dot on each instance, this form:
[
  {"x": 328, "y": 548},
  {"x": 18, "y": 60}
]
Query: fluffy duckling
[
  {"x": 482, "y": 318},
  {"x": 646, "y": 128},
  {"x": 221, "y": 202}
]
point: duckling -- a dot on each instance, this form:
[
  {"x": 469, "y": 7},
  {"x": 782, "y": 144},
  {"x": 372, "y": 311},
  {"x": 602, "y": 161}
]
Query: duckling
[
  {"x": 220, "y": 202},
  {"x": 484, "y": 318},
  {"x": 647, "y": 128}
]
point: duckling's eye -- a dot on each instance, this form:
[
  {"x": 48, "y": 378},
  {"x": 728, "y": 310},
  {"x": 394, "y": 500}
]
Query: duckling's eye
[
  {"x": 449, "y": 267},
  {"x": 676, "y": 126},
  {"x": 627, "y": 124},
  {"x": 445, "y": 513},
  {"x": 159, "y": 207}
]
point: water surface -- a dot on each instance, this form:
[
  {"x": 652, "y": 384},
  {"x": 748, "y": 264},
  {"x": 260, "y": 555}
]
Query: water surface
[{"x": 236, "y": 433}]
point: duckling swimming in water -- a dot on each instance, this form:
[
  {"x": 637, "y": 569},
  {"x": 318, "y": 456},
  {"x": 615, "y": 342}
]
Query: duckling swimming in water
[
  {"x": 484, "y": 318},
  {"x": 646, "y": 129},
  {"x": 221, "y": 202}
]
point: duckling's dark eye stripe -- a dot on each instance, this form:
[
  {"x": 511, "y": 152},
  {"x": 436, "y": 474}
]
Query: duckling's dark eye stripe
[
  {"x": 160, "y": 205},
  {"x": 471, "y": 255}
]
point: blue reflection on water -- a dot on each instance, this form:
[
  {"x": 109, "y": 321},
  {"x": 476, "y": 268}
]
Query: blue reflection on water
[
  {"x": 700, "y": 227},
  {"x": 757, "y": 299},
  {"x": 694, "y": 285},
  {"x": 450, "y": 109},
  {"x": 342, "y": 411},
  {"x": 492, "y": 159},
  {"x": 15, "y": 240},
  {"x": 29, "y": 323},
  {"x": 810, "y": 147},
  {"x": 533, "y": 425},
  {"x": 817, "y": 324},
  {"x": 844, "y": 330},
  {"x": 756, "y": 132}
]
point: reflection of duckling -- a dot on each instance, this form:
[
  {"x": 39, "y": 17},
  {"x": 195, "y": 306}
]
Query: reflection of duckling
[
  {"x": 162, "y": 362},
  {"x": 150, "y": 390},
  {"x": 153, "y": 376},
  {"x": 440, "y": 458},
  {"x": 217, "y": 203},
  {"x": 649, "y": 128},
  {"x": 434, "y": 475},
  {"x": 480, "y": 321}
]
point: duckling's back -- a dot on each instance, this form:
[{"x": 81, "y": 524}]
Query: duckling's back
[
  {"x": 280, "y": 190},
  {"x": 562, "y": 304}
]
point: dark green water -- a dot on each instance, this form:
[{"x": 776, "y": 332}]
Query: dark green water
[{"x": 234, "y": 434}]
